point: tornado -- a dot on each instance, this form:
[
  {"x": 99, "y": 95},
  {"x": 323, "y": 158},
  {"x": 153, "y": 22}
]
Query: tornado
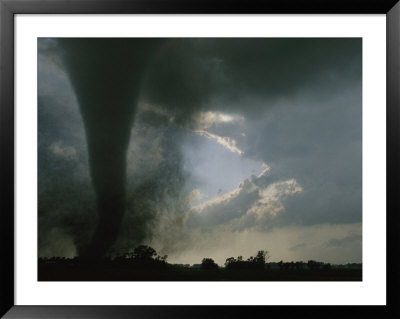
[{"x": 106, "y": 74}]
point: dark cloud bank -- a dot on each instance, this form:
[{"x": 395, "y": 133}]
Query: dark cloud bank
[{"x": 115, "y": 116}]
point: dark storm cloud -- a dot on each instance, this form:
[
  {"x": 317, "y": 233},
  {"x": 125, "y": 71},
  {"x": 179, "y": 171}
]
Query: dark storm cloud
[
  {"x": 181, "y": 80},
  {"x": 197, "y": 74}
]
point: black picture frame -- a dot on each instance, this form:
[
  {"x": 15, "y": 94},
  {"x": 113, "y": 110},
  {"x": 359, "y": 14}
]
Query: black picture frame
[{"x": 8, "y": 10}]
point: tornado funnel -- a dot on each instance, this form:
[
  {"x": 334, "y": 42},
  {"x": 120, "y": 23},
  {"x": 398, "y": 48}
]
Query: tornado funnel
[{"x": 106, "y": 74}]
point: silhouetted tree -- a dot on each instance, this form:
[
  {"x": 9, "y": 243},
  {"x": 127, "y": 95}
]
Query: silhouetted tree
[
  {"x": 262, "y": 256},
  {"x": 143, "y": 252},
  {"x": 209, "y": 264},
  {"x": 229, "y": 261},
  {"x": 259, "y": 260}
]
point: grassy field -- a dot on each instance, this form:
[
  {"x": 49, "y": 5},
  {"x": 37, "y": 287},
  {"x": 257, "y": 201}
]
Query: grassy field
[{"x": 54, "y": 272}]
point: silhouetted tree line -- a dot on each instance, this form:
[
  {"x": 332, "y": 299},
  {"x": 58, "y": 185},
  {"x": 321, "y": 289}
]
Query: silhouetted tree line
[
  {"x": 145, "y": 257},
  {"x": 141, "y": 257},
  {"x": 253, "y": 263}
]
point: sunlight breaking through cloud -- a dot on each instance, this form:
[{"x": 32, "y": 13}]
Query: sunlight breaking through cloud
[
  {"x": 266, "y": 169},
  {"x": 227, "y": 142},
  {"x": 206, "y": 119},
  {"x": 271, "y": 197}
]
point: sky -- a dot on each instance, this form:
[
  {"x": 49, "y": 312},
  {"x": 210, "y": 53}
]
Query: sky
[{"x": 235, "y": 145}]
